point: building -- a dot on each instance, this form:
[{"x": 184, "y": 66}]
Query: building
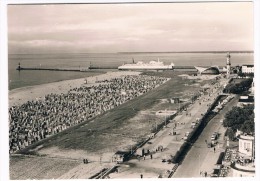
[
  {"x": 175, "y": 100},
  {"x": 246, "y": 145},
  {"x": 245, "y": 100},
  {"x": 244, "y": 166},
  {"x": 247, "y": 69},
  {"x": 120, "y": 156},
  {"x": 213, "y": 70}
]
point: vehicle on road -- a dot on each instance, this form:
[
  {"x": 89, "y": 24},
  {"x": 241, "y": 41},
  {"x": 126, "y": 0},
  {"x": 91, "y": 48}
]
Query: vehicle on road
[
  {"x": 214, "y": 136},
  {"x": 209, "y": 145},
  {"x": 193, "y": 124},
  {"x": 186, "y": 135},
  {"x": 214, "y": 142}
]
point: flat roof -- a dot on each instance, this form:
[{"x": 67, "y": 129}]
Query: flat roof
[{"x": 248, "y": 65}]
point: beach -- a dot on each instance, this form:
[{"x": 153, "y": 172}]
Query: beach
[
  {"x": 117, "y": 129},
  {"x": 37, "y": 92}
]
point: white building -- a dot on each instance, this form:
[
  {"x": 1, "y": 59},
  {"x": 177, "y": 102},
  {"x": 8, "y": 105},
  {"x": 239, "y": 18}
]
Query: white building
[
  {"x": 246, "y": 145},
  {"x": 245, "y": 165},
  {"x": 245, "y": 100},
  {"x": 247, "y": 69}
]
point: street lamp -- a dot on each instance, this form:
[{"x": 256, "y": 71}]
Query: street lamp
[
  {"x": 165, "y": 118},
  {"x": 199, "y": 164}
]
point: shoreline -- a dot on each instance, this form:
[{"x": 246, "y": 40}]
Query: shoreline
[
  {"x": 21, "y": 95},
  {"x": 95, "y": 73}
]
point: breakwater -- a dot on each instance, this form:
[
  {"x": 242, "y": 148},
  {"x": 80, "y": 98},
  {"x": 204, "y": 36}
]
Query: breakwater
[
  {"x": 95, "y": 67},
  {"x": 53, "y": 69},
  {"x": 102, "y": 67}
]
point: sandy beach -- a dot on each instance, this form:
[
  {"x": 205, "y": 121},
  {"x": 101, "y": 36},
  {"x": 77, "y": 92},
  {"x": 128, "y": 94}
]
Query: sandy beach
[
  {"x": 24, "y": 94},
  {"x": 98, "y": 139}
]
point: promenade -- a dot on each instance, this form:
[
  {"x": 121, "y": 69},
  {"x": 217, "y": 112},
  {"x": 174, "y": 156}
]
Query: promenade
[
  {"x": 156, "y": 165},
  {"x": 200, "y": 158}
]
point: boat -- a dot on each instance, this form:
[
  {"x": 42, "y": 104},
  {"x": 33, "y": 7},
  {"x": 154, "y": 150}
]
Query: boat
[{"x": 152, "y": 65}]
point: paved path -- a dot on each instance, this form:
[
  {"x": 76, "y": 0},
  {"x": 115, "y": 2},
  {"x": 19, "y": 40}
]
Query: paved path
[
  {"x": 200, "y": 158},
  {"x": 151, "y": 168}
]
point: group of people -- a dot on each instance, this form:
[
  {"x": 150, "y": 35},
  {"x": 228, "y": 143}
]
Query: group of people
[
  {"x": 36, "y": 120},
  {"x": 204, "y": 174}
]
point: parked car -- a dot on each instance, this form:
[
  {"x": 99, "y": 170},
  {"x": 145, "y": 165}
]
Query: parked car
[
  {"x": 186, "y": 135},
  {"x": 209, "y": 145},
  {"x": 216, "y": 134},
  {"x": 193, "y": 124},
  {"x": 213, "y": 137}
]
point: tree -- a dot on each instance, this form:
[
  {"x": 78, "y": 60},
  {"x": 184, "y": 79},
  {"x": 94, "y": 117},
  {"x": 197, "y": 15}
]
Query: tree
[
  {"x": 248, "y": 126},
  {"x": 230, "y": 133},
  {"x": 240, "y": 87},
  {"x": 240, "y": 118}
]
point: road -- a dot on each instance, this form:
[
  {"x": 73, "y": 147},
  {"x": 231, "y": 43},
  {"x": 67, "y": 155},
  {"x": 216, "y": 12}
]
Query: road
[
  {"x": 152, "y": 167},
  {"x": 200, "y": 157}
]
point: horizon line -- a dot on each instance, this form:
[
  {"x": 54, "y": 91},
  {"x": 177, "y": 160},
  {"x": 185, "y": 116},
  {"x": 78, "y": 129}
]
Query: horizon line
[{"x": 218, "y": 51}]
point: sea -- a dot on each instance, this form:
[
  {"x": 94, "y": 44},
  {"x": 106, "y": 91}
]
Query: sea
[{"x": 18, "y": 79}]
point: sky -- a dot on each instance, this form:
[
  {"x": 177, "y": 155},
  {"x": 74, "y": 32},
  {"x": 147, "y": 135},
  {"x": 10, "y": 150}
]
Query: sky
[{"x": 149, "y": 27}]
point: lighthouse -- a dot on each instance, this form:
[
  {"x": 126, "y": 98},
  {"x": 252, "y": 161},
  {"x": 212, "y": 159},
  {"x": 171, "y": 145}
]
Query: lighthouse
[{"x": 228, "y": 65}]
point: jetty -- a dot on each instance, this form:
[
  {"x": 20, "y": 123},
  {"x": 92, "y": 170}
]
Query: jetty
[
  {"x": 79, "y": 69},
  {"x": 53, "y": 69},
  {"x": 19, "y": 68},
  {"x": 102, "y": 67},
  {"x": 99, "y": 67}
]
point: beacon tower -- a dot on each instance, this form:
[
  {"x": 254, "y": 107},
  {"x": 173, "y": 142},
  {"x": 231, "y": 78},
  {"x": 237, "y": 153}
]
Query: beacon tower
[{"x": 228, "y": 65}]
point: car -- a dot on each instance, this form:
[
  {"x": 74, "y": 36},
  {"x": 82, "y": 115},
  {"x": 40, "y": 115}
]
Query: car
[
  {"x": 213, "y": 137},
  {"x": 193, "y": 124},
  {"x": 164, "y": 160},
  {"x": 214, "y": 142},
  {"x": 216, "y": 134},
  {"x": 209, "y": 145},
  {"x": 185, "y": 138}
]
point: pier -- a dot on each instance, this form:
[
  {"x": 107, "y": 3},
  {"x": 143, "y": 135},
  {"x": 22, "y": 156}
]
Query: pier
[
  {"x": 19, "y": 68},
  {"x": 85, "y": 69},
  {"x": 95, "y": 67},
  {"x": 102, "y": 67}
]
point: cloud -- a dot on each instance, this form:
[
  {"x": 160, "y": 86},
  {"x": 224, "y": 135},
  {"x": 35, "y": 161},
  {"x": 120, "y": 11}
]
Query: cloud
[{"x": 125, "y": 27}]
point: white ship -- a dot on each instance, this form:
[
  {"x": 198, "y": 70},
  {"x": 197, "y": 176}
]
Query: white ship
[{"x": 152, "y": 65}]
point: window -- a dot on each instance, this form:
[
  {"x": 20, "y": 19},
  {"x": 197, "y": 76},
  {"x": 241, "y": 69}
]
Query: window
[{"x": 248, "y": 146}]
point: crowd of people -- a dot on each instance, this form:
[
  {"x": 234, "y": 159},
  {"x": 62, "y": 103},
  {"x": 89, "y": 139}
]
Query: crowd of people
[{"x": 36, "y": 120}]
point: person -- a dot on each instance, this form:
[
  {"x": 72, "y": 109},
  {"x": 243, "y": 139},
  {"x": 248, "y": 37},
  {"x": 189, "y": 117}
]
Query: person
[
  {"x": 144, "y": 157},
  {"x": 214, "y": 149},
  {"x": 151, "y": 156}
]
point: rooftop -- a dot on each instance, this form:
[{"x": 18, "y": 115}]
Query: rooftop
[{"x": 248, "y": 65}]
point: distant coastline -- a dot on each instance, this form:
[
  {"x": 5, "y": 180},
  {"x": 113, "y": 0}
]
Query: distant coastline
[
  {"x": 248, "y": 51},
  {"x": 234, "y": 51}
]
